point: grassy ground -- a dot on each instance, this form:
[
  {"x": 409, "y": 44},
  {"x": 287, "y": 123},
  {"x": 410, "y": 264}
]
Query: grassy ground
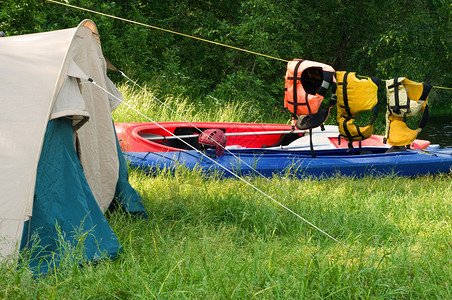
[
  {"x": 182, "y": 109},
  {"x": 217, "y": 239}
]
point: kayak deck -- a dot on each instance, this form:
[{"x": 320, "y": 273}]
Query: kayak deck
[{"x": 133, "y": 137}]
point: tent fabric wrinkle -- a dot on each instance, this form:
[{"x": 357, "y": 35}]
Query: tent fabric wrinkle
[
  {"x": 75, "y": 71},
  {"x": 114, "y": 102},
  {"x": 69, "y": 101},
  {"x": 101, "y": 175}
]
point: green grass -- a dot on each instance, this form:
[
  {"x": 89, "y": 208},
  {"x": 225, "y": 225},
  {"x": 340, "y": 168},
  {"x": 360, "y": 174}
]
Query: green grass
[
  {"x": 206, "y": 109},
  {"x": 211, "y": 238}
]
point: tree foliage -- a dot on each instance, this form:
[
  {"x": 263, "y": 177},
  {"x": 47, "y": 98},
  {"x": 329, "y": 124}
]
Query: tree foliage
[{"x": 375, "y": 38}]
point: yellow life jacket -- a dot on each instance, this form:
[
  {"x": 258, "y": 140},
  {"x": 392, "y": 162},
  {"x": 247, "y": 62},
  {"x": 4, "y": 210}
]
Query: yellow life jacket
[
  {"x": 306, "y": 85},
  {"x": 353, "y": 97},
  {"x": 406, "y": 98}
]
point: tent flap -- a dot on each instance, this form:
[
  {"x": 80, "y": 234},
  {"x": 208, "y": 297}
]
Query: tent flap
[
  {"x": 69, "y": 101},
  {"x": 64, "y": 210}
]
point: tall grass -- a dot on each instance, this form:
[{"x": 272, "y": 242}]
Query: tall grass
[
  {"x": 216, "y": 238},
  {"x": 160, "y": 107}
]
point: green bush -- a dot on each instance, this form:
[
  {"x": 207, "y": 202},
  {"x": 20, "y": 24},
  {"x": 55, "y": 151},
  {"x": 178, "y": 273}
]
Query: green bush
[{"x": 369, "y": 37}]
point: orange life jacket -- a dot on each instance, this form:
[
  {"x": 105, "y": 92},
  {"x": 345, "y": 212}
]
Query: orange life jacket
[{"x": 306, "y": 85}]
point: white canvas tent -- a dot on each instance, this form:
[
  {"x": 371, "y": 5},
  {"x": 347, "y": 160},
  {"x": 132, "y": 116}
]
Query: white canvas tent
[{"x": 44, "y": 77}]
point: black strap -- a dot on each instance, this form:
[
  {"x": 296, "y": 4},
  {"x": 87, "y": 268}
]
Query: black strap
[
  {"x": 396, "y": 108},
  {"x": 375, "y": 111},
  {"x": 307, "y": 103},
  {"x": 347, "y": 132},
  {"x": 376, "y": 80},
  {"x": 327, "y": 80},
  {"x": 306, "y": 122},
  {"x": 79, "y": 124},
  {"x": 311, "y": 144},
  {"x": 395, "y": 86},
  {"x": 295, "y": 78},
  {"x": 425, "y": 117},
  {"x": 359, "y": 132},
  {"x": 344, "y": 94},
  {"x": 426, "y": 114},
  {"x": 346, "y": 106},
  {"x": 408, "y": 107},
  {"x": 426, "y": 90},
  {"x": 333, "y": 99}
]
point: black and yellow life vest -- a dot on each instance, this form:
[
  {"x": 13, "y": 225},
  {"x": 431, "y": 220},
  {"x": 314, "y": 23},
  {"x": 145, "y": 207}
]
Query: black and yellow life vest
[
  {"x": 355, "y": 96},
  {"x": 306, "y": 85},
  {"x": 406, "y": 98}
]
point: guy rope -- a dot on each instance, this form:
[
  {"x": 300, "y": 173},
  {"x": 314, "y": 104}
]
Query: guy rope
[
  {"x": 223, "y": 167},
  {"x": 183, "y": 141}
]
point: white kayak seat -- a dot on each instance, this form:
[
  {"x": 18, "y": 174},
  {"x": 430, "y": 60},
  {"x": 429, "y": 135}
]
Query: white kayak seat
[{"x": 320, "y": 139}]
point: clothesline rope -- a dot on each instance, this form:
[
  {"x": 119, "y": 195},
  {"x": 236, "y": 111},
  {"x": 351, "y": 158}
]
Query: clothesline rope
[
  {"x": 167, "y": 30},
  {"x": 187, "y": 35}
]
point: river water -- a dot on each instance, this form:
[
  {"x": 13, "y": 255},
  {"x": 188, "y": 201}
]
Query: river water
[{"x": 438, "y": 131}]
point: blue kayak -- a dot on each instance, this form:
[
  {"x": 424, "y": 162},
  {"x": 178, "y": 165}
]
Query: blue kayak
[{"x": 300, "y": 163}]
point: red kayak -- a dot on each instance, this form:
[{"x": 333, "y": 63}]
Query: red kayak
[{"x": 150, "y": 137}]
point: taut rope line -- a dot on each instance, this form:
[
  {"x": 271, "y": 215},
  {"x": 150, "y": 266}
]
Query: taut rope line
[
  {"x": 169, "y": 132},
  {"x": 194, "y": 126},
  {"x": 190, "y": 36},
  {"x": 166, "y": 30},
  {"x": 223, "y": 167}
]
